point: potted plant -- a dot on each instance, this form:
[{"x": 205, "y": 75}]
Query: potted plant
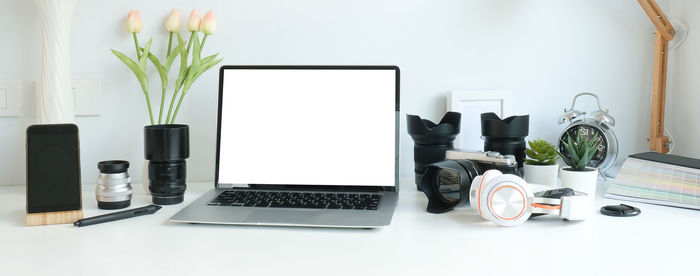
[
  {"x": 541, "y": 165},
  {"x": 578, "y": 152},
  {"x": 166, "y": 144}
]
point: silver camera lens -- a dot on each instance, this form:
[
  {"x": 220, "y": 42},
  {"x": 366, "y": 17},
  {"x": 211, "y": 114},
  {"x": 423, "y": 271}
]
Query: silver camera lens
[{"x": 113, "y": 185}]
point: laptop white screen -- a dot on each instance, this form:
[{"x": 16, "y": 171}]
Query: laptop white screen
[{"x": 308, "y": 127}]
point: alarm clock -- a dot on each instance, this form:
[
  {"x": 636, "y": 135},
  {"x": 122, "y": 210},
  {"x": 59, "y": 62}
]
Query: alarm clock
[{"x": 599, "y": 122}]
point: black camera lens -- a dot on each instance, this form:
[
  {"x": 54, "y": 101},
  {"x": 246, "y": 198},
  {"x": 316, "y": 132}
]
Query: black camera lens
[
  {"x": 166, "y": 148},
  {"x": 505, "y": 136},
  {"x": 167, "y": 181},
  {"x": 431, "y": 140},
  {"x": 446, "y": 183}
]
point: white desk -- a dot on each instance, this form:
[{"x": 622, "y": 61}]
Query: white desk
[{"x": 660, "y": 241}]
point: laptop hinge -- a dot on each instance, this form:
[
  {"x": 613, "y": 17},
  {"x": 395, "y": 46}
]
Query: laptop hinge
[{"x": 230, "y": 186}]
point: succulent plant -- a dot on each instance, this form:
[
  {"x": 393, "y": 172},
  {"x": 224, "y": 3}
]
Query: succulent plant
[
  {"x": 579, "y": 151},
  {"x": 541, "y": 152}
]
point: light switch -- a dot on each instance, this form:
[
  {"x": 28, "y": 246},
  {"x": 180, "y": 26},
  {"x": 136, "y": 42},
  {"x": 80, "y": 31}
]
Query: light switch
[
  {"x": 3, "y": 98},
  {"x": 86, "y": 95},
  {"x": 10, "y": 98}
]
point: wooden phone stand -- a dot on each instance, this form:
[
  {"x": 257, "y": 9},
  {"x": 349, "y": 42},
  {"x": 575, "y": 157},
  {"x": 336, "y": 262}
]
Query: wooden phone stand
[{"x": 60, "y": 217}]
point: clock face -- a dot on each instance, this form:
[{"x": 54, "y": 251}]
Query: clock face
[{"x": 587, "y": 132}]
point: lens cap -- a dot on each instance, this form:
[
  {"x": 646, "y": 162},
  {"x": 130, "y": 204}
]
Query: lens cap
[
  {"x": 113, "y": 166},
  {"x": 621, "y": 210}
]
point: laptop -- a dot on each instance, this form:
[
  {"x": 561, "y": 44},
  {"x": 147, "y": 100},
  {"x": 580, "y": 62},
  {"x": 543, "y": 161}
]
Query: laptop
[{"x": 313, "y": 146}]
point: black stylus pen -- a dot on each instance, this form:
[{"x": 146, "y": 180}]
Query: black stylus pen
[{"x": 146, "y": 210}]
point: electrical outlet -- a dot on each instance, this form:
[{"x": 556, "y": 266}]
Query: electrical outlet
[
  {"x": 10, "y": 98},
  {"x": 86, "y": 95}
]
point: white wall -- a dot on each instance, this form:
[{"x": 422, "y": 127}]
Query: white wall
[{"x": 544, "y": 51}]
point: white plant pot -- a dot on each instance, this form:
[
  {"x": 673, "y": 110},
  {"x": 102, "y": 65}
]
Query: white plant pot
[
  {"x": 580, "y": 181},
  {"x": 542, "y": 174}
]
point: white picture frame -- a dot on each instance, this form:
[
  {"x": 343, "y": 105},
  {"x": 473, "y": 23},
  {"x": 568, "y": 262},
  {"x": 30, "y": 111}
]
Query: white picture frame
[{"x": 471, "y": 103}]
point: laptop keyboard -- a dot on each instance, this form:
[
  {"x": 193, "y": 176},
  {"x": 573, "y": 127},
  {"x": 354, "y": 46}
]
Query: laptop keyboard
[{"x": 310, "y": 200}]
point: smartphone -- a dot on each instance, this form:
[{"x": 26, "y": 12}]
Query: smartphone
[{"x": 53, "y": 168}]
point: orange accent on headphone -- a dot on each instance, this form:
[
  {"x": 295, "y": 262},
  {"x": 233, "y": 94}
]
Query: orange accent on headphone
[
  {"x": 512, "y": 187},
  {"x": 479, "y": 193},
  {"x": 544, "y": 206}
]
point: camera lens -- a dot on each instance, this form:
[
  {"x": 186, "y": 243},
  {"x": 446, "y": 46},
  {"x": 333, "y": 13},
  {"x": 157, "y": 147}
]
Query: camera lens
[
  {"x": 505, "y": 136},
  {"x": 113, "y": 185},
  {"x": 431, "y": 140},
  {"x": 166, "y": 148},
  {"x": 446, "y": 183},
  {"x": 167, "y": 181}
]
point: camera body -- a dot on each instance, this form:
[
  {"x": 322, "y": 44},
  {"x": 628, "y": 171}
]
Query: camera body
[
  {"x": 506, "y": 136},
  {"x": 488, "y": 160}
]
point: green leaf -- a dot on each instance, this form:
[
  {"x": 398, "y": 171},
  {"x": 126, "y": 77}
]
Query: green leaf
[
  {"x": 571, "y": 149},
  {"x": 196, "y": 61},
  {"x": 161, "y": 71},
  {"x": 170, "y": 59},
  {"x": 183, "y": 63},
  {"x": 144, "y": 55},
  {"x": 567, "y": 160},
  {"x": 194, "y": 68},
  {"x": 530, "y": 153},
  {"x": 209, "y": 58},
  {"x": 202, "y": 69},
  {"x": 206, "y": 67},
  {"x": 541, "y": 152},
  {"x": 140, "y": 75},
  {"x": 583, "y": 162}
]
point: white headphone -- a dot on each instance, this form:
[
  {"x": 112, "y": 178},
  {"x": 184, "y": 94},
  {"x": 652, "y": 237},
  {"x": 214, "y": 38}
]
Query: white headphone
[{"x": 507, "y": 200}]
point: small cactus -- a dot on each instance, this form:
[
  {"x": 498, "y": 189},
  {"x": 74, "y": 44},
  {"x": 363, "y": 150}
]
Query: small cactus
[
  {"x": 580, "y": 151},
  {"x": 541, "y": 152}
]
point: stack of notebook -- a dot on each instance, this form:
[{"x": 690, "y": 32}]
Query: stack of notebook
[{"x": 660, "y": 179}]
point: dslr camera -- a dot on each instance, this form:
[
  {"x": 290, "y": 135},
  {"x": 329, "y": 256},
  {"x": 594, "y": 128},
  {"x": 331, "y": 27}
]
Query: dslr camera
[
  {"x": 446, "y": 183},
  {"x": 484, "y": 161}
]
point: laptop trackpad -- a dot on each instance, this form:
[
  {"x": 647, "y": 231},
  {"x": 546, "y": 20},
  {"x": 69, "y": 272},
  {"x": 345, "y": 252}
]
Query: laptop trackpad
[{"x": 283, "y": 216}]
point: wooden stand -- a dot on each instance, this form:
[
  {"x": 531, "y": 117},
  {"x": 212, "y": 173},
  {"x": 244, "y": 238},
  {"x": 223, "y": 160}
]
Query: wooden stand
[
  {"x": 54, "y": 217},
  {"x": 664, "y": 33}
]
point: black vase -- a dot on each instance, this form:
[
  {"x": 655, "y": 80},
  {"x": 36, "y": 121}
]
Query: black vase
[{"x": 166, "y": 147}]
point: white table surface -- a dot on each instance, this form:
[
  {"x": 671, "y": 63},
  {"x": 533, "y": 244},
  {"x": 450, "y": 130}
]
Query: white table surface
[{"x": 660, "y": 241}]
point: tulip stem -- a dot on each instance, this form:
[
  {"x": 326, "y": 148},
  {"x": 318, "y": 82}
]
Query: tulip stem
[
  {"x": 182, "y": 96},
  {"x": 162, "y": 100},
  {"x": 189, "y": 43},
  {"x": 136, "y": 43},
  {"x": 172, "y": 102},
  {"x": 204, "y": 39},
  {"x": 170, "y": 43},
  {"x": 148, "y": 102}
]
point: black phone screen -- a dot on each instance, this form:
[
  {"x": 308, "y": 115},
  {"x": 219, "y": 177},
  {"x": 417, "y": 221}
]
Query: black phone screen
[{"x": 53, "y": 168}]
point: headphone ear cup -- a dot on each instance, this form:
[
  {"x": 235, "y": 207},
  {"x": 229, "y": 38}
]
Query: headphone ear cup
[
  {"x": 473, "y": 191},
  {"x": 477, "y": 187},
  {"x": 506, "y": 200}
]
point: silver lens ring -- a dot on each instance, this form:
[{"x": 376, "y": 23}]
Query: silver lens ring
[{"x": 113, "y": 189}]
